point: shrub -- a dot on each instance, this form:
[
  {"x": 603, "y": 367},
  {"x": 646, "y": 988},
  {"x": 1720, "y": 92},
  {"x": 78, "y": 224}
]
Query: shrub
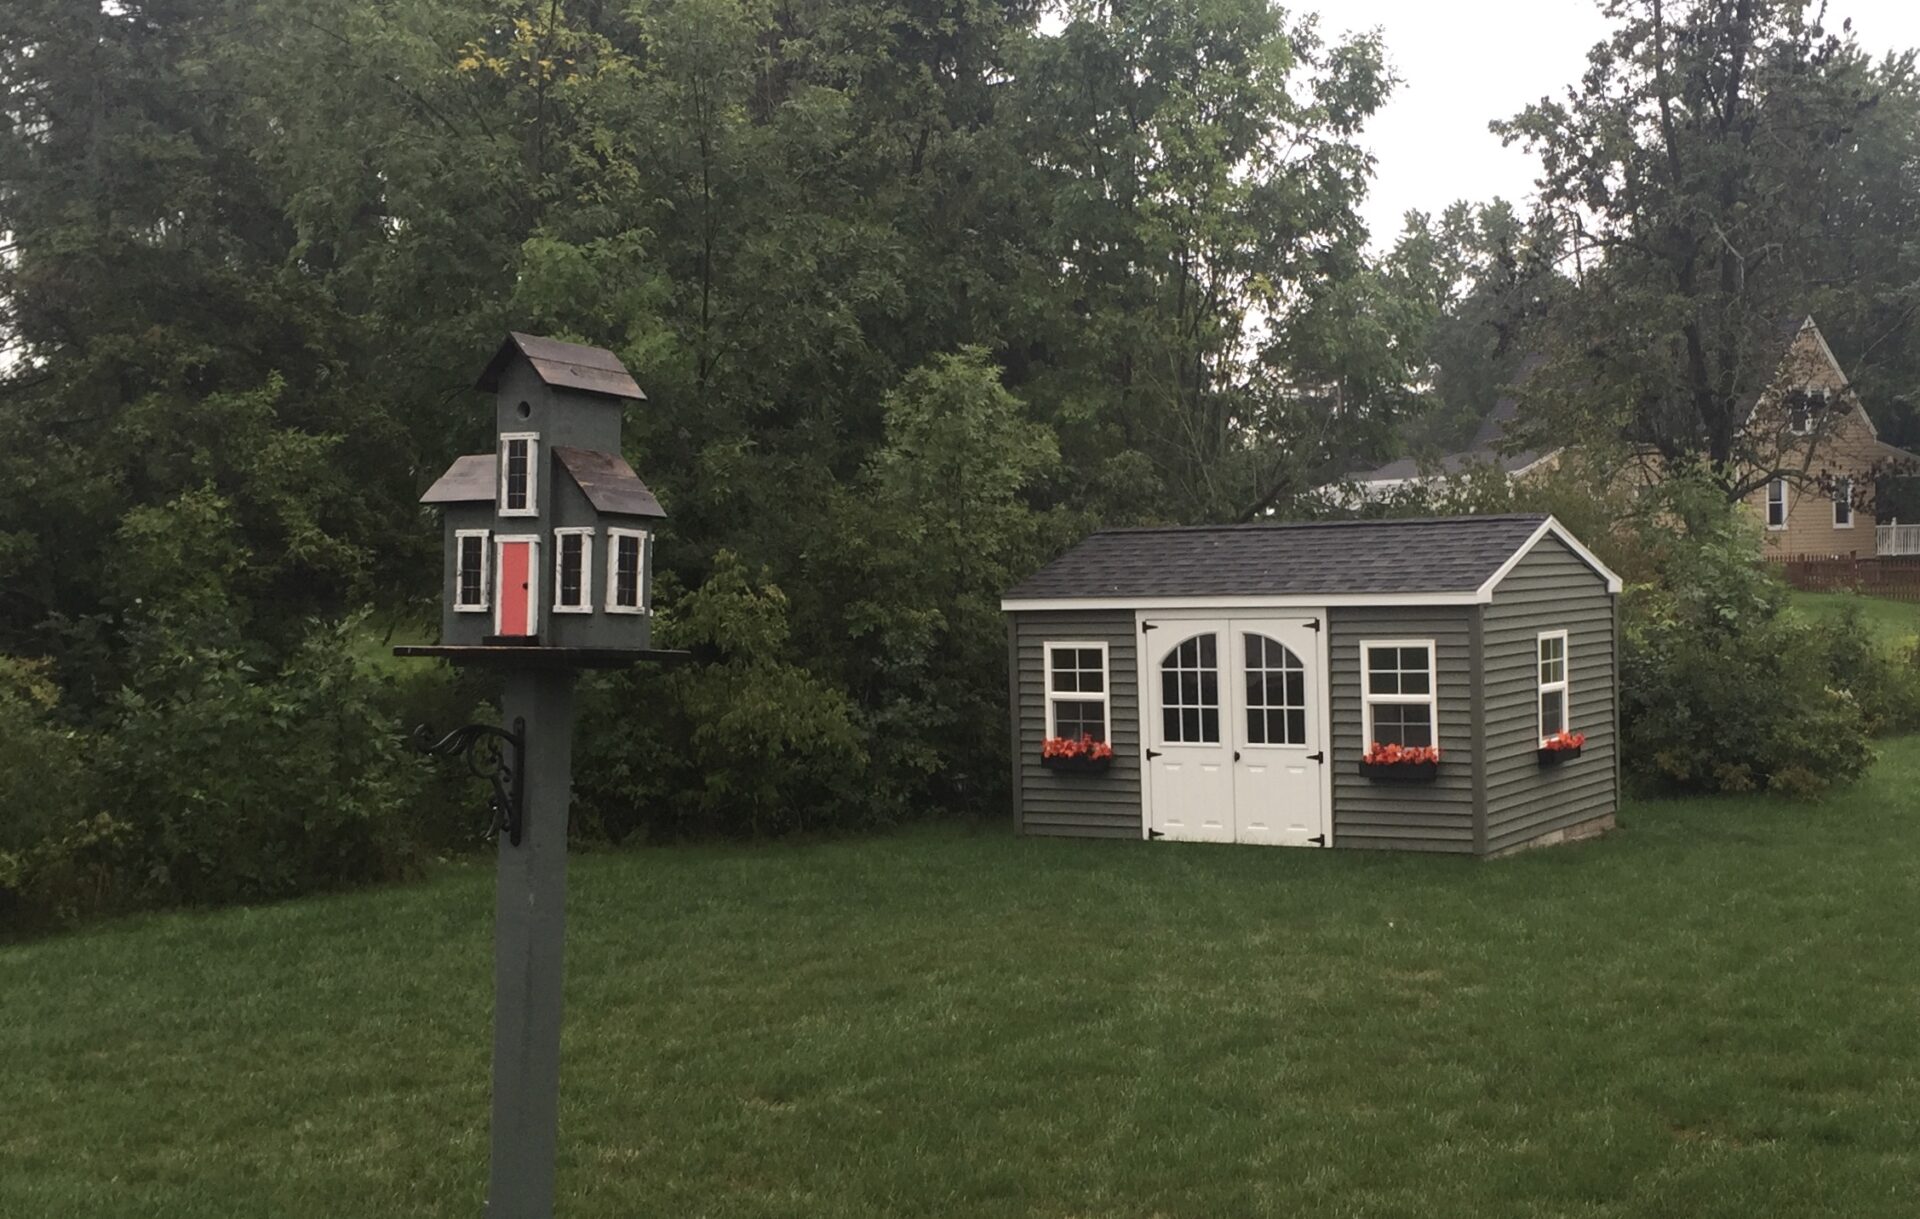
[{"x": 1721, "y": 690}]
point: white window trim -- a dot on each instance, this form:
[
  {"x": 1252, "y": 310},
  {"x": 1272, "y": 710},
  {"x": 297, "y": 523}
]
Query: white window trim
[
  {"x": 613, "y": 572},
  {"x": 1368, "y": 699},
  {"x": 485, "y": 602},
  {"x": 1843, "y": 498},
  {"x": 1077, "y": 696},
  {"x": 533, "y": 579},
  {"x": 1786, "y": 510},
  {"x": 533, "y": 474},
  {"x": 1564, "y": 685},
  {"x": 586, "y": 570}
]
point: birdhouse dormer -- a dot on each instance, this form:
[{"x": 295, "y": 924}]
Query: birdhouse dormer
[{"x": 549, "y": 538}]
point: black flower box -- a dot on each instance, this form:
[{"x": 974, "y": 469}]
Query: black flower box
[
  {"x": 1553, "y": 757},
  {"x": 1077, "y": 766},
  {"x": 1401, "y": 772}
]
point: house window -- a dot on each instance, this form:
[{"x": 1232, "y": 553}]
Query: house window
[
  {"x": 1843, "y": 503},
  {"x": 1805, "y": 412},
  {"x": 1077, "y": 690},
  {"x": 573, "y": 570},
  {"x": 470, "y": 570},
  {"x": 1553, "y": 683},
  {"x": 519, "y": 474},
  {"x": 1777, "y": 504},
  {"x": 626, "y": 571},
  {"x": 1399, "y": 693},
  {"x": 1276, "y": 693}
]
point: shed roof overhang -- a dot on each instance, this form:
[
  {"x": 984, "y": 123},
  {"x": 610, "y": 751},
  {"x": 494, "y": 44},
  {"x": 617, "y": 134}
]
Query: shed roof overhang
[{"x": 1332, "y": 598}]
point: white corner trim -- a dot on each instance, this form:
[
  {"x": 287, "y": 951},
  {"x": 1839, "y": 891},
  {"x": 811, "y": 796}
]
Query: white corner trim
[{"x": 1554, "y": 527}]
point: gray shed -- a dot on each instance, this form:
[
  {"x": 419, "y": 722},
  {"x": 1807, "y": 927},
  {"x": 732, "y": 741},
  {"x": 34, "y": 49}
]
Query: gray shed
[{"x": 1241, "y": 674}]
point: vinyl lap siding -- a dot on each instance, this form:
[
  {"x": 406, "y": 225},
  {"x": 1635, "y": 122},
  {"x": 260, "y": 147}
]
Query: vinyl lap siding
[
  {"x": 1436, "y": 816},
  {"x": 1070, "y": 805},
  {"x": 1549, "y": 590}
]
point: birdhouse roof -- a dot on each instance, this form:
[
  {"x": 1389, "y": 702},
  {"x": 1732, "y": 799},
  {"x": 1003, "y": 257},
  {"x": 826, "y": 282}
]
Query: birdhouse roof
[
  {"x": 594, "y": 370},
  {"x": 467, "y": 480},
  {"x": 607, "y": 481}
]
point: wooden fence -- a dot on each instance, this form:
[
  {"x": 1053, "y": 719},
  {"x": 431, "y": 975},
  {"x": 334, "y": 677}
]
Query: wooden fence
[{"x": 1896, "y": 577}]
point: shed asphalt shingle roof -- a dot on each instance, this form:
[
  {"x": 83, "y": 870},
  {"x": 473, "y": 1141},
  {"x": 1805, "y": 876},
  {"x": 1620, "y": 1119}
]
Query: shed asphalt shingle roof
[{"x": 1424, "y": 555}]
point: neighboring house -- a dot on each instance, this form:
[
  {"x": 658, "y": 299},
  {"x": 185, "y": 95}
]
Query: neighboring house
[
  {"x": 548, "y": 538},
  {"x": 1829, "y": 453},
  {"x": 1809, "y": 425},
  {"x": 1240, "y": 675}
]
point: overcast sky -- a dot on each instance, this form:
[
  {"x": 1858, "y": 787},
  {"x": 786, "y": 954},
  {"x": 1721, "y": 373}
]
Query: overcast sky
[{"x": 1464, "y": 63}]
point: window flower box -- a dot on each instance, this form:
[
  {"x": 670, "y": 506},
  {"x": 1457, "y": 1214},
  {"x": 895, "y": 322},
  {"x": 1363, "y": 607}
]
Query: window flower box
[
  {"x": 1560, "y": 747},
  {"x": 1401, "y": 763},
  {"x": 1070, "y": 755}
]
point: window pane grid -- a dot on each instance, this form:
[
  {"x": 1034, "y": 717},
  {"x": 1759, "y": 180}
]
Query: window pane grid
[
  {"x": 573, "y": 564},
  {"x": 626, "y": 571},
  {"x": 1399, "y": 693},
  {"x": 1190, "y": 693},
  {"x": 1553, "y": 685},
  {"x": 516, "y": 474},
  {"x": 1077, "y": 690},
  {"x": 472, "y": 588},
  {"x": 1276, "y": 694}
]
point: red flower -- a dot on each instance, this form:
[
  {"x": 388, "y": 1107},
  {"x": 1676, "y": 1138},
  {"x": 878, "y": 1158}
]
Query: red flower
[
  {"x": 1400, "y": 755},
  {"x": 1564, "y": 740},
  {"x": 1083, "y": 746}
]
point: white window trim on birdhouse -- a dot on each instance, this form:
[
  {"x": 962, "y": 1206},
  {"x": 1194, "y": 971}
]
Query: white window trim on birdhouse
[
  {"x": 585, "y": 604},
  {"x": 485, "y": 602},
  {"x": 533, "y": 474},
  {"x": 614, "y": 537}
]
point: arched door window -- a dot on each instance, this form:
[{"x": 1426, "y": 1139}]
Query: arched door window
[
  {"x": 1276, "y": 693},
  {"x": 1190, "y": 692}
]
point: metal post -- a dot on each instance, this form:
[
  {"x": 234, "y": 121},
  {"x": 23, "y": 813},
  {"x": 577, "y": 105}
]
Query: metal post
[{"x": 529, "y": 932}]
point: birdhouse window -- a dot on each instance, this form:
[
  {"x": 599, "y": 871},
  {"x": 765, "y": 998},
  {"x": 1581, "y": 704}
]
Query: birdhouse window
[
  {"x": 519, "y": 474},
  {"x": 470, "y": 570},
  {"x": 626, "y": 571},
  {"x": 573, "y": 571}
]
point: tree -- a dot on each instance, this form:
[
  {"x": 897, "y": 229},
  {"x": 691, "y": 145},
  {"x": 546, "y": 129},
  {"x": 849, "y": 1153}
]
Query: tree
[{"x": 1694, "y": 169}]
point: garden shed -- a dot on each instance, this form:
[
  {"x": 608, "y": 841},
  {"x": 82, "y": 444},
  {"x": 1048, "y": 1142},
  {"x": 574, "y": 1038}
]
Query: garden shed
[{"x": 1289, "y": 684}]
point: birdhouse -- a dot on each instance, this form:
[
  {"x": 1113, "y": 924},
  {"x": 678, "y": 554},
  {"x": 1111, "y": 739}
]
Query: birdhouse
[{"x": 549, "y": 538}]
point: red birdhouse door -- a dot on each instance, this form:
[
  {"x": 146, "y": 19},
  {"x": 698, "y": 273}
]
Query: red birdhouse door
[{"x": 519, "y": 576}]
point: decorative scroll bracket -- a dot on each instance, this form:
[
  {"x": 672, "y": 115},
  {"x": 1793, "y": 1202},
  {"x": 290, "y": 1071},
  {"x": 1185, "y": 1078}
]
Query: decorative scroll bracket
[{"x": 493, "y": 754}]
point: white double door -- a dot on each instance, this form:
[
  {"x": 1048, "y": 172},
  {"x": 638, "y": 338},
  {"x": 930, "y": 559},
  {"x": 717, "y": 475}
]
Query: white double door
[{"x": 1235, "y": 730}]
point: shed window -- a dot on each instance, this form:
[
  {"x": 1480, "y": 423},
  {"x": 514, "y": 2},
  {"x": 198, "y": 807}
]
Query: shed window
[
  {"x": 519, "y": 474},
  {"x": 1399, "y": 692},
  {"x": 1077, "y": 690},
  {"x": 573, "y": 570},
  {"x": 470, "y": 570},
  {"x": 1276, "y": 693},
  {"x": 1777, "y": 504},
  {"x": 626, "y": 571},
  {"x": 1190, "y": 693},
  {"x": 1843, "y": 503},
  {"x": 1553, "y": 683}
]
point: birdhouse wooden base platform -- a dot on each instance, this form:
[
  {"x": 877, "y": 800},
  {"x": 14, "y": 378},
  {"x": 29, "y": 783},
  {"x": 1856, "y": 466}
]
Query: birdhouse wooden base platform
[{"x": 521, "y": 656}]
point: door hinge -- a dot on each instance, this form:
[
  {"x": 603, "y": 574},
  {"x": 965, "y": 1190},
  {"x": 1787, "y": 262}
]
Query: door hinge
[
  {"x": 1320, "y": 757},
  {"x": 1313, "y": 624},
  {"x": 1153, "y": 833},
  {"x": 1153, "y": 753},
  {"x": 1149, "y": 626},
  {"x": 1318, "y": 840}
]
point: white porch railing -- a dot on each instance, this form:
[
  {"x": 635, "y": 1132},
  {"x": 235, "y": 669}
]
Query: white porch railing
[{"x": 1896, "y": 538}]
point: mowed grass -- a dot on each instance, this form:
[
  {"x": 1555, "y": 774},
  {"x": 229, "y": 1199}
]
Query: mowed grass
[
  {"x": 1714, "y": 1012},
  {"x": 1893, "y": 623}
]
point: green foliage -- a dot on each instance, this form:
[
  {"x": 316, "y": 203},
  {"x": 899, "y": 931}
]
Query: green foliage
[
  {"x": 1721, "y": 690},
  {"x": 744, "y": 742}
]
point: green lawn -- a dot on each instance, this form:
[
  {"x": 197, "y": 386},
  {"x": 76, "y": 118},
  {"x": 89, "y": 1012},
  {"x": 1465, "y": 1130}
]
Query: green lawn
[
  {"x": 1714, "y": 1012},
  {"x": 1892, "y": 622}
]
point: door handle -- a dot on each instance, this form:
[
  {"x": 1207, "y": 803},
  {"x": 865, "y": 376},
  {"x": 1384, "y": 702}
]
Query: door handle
[{"x": 1236, "y": 755}]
